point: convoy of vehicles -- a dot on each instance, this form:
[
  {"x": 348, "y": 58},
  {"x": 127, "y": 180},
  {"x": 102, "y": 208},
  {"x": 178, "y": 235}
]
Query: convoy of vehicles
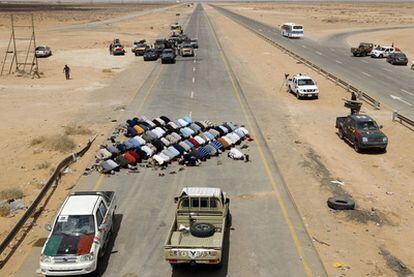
[
  {"x": 43, "y": 51},
  {"x": 303, "y": 86},
  {"x": 291, "y": 30},
  {"x": 362, "y": 132},
  {"x": 364, "y": 49},
  {"x": 197, "y": 233},
  {"x": 79, "y": 234}
]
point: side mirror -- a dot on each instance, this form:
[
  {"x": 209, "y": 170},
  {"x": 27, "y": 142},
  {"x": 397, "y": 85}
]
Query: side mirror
[
  {"x": 102, "y": 227},
  {"x": 227, "y": 201},
  {"x": 48, "y": 227},
  {"x": 176, "y": 199},
  {"x": 381, "y": 126}
]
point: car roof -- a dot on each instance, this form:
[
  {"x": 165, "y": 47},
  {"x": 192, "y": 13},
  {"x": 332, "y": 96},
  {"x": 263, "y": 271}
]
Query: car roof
[
  {"x": 361, "y": 117},
  {"x": 79, "y": 205},
  {"x": 302, "y": 76},
  {"x": 201, "y": 191}
]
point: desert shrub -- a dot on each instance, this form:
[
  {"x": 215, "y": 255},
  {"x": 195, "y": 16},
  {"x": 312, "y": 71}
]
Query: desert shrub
[
  {"x": 11, "y": 193},
  {"x": 74, "y": 129}
]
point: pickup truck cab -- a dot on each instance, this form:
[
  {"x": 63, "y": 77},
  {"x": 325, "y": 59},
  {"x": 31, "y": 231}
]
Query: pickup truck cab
[
  {"x": 361, "y": 131},
  {"x": 382, "y": 51},
  {"x": 303, "y": 86},
  {"x": 79, "y": 235},
  {"x": 197, "y": 232}
]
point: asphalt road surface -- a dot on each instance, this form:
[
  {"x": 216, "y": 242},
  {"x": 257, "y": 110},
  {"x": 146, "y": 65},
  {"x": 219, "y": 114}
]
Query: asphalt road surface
[
  {"x": 267, "y": 237},
  {"x": 389, "y": 84}
]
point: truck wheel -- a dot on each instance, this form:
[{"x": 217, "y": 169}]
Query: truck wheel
[
  {"x": 340, "y": 133},
  {"x": 297, "y": 95},
  {"x": 341, "y": 203},
  {"x": 229, "y": 219},
  {"x": 202, "y": 230},
  {"x": 356, "y": 147}
]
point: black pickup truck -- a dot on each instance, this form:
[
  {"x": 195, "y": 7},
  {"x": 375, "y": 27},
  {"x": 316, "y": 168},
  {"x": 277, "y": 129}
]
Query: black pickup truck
[{"x": 362, "y": 132}]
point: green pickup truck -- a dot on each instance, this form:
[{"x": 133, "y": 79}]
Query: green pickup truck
[
  {"x": 197, "y": 233},
  {"x": 362, "y": 132}
]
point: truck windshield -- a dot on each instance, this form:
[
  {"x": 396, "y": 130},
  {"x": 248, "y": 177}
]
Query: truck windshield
[
  {"x": 74, "y": 225},
  {"x": 367, "y": 125},
  {"x": 306, "y": 82}
]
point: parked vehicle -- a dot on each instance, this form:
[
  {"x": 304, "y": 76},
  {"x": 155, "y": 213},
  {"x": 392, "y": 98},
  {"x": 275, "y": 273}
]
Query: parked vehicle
[
  {"x": 292, "y": 30},
  {"x": 194, "y": 43},
  {"x": 303, "y": 86},
  {"x": 197, "y": 233},
  {"x": 361, "y": 131},
  {"x": 150, "y": 55},
  {"x": 364, "y": 49},
  {"x": 117, "y": 49},
  {"x": 168, "y": 56},
  {"x": 43, "y": 51},
  {"x": 139, "y": 47},
  {"x": 186, "y": 50},
  {"x": 382, "y": 51},
  {"x": 79, "y": 235},
  {"x": 397, "y": 58}
]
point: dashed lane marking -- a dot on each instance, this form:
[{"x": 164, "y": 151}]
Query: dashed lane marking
[
  {"x": 192, "y": 94},
  {"x": 410, "y": 93},
  {"x": 338, "y": 61},
  {"x": 193, "y": 80},
  {"x": 366, "y": 74}
]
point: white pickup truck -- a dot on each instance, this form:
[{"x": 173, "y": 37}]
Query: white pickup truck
[
  {"x": 79, "y": 235},
  {"x": 303, "y": 86},
  {"x": 382, "y": 51}
]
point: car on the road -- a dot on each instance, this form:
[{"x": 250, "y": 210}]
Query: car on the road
[
  {"x": 196, "y": 235},
  {"x": 362, "y": 132},
  {"x": 397, "y": 58},
  {"x": 43, "y": 51},
  {"x": 79, "y": 234},
  {"x": 382, "y": 51},
  {"x": 364, "y": 49},
  {"x": 168, "y": 56},
  {"x": 160, "y": 45},
  {"x": 150, "y": 55},
  {"x": 186, "y": 50},
  {"x": 118, "y": 49},
  {"x": 303, "y": 86},
  {"x": 194, "y": 43},
  {"x": 139, "y": 47}
]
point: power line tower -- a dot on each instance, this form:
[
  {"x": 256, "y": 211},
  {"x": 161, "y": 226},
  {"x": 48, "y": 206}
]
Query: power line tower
[{"x": 20, "y": 57}]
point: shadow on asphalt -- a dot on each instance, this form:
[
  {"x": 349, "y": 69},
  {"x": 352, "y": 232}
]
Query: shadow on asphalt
[{"x": 207, "y": 270}]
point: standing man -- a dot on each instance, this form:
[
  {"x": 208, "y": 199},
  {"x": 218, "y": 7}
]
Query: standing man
[
  {"x": 35, "y": 71},
  {"x": 66, "y": 70}
]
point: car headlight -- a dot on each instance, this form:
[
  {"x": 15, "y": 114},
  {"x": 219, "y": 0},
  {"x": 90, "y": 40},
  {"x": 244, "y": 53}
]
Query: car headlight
[
  {"x": 45, "y": 259},
  {"x": 384, "y": 139},
  {"x": 86, "y": 258},
  {"x": 364, "y": 139}
]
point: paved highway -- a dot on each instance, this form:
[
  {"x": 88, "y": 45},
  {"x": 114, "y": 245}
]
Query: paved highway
[
  {"x": 267, "y": 238},
  {"x": 392, "y": 85}
]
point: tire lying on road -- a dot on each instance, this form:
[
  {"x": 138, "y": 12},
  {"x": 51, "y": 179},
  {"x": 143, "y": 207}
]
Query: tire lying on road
[
  {"x": 202, "y": 230},
  {"x": 341, "y": 203}
]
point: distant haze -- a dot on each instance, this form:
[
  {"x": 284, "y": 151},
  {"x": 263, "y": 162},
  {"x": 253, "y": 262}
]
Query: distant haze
[{"x": 187, "y": 1}]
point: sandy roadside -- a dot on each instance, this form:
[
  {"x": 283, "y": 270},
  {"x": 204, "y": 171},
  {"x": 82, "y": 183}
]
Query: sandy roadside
[
  {"x": 101, "y": 88},
  {"x": 303, "y": 141},
  {"x": 325, "y": 19}
]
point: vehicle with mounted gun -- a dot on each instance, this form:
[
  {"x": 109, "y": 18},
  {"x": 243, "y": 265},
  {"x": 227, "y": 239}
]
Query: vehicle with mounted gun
[
  {"x": 364, "y": 49},
  {"x": 197, "y": 233},
  {"x": 79, "y": 235}
]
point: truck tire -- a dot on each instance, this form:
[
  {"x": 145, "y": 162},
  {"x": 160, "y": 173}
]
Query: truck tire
[
  {"x": 202, "y": 230},
  {"x": 341, "y": 203},
  {"x": 356, "y": 147},
  {"x": 340, "y": 133},
  {"x": 297, "y": 95},
  {"x": 229, "y": 220}
]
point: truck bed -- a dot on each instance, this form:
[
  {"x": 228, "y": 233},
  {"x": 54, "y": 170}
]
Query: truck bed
[{"x": 183, "y": 239}]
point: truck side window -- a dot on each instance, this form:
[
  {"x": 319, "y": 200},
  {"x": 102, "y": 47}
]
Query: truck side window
[
  {"x": 213, "y": 203},
  {"x": 204, "y": 202},
  {"x": 195, "y": 202},
  {"x": 184, "y": 203},
  {"x": 102, "y": 209},
  {"x": 99, "y": 218}
]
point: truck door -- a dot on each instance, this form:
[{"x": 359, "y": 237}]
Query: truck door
[{"x": 348, "y": 129}]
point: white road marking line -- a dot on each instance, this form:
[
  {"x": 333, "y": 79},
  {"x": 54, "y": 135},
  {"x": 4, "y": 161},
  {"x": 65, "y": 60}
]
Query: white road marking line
[
  {"x": 192, "y": 94},
  {"x": 400, "y": 99},
  {"x": 193, "y": 80},
  {"x": 319, "y": 53},
  {"x": 193, "y": 69},
  {"x": 194, "y": 61},
  {"x": 338, "y": 61},
  {"x": 387, "y": 69},
  {"x": 410, "y": 93},
  {"x": 190, "y": 114},
  {"x": 333, "y": 50},
  {"x": 366, "y": 74},
  {"x": 304, "y": 46},
  {"x": 364, "y": 61}
]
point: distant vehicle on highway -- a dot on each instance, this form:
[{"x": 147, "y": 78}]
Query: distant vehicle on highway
[
  {"x": 361, "y": 131},
  {"x": 197, "y": 234},
  {"x": 150, "y": 55},
  {"x": 382, "y": 51},
  {"x": 79, "y": 235},
  {"x": 303, "y": 86},
  {"x": 117, "y": 49},
  {"x": 168, "y": 56},
  {"x": 43, "y": 51},
  {"x": 194, "y": 43},
  {"x": 397, "y": 58},
  {"x": 292, "y": 30},
  {"x": 364, "y": 49},
  {"x": 186, "y": 50},
  {"x": 139, "y": 47}
]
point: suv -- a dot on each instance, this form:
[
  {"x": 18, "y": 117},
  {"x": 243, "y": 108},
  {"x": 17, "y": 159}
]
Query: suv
[
  {"x": 43, "y": 51},
  {"x": 397, "y": 58},
  {"x": 168, "y": 56},
  {"x": 361, "y": 131},
  {"x": 363, "y": 49},
  {"x": 79, "y": 235},
  {"x": 197, "y": 233},
  {"x": 382, "y": 51},
  {"x": 303, "y": 86}
]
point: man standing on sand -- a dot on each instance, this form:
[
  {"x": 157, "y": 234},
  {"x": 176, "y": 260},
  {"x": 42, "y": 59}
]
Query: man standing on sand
[
  {"x": 35, "y": 72},
  {"x": 66, "y": 70}
]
